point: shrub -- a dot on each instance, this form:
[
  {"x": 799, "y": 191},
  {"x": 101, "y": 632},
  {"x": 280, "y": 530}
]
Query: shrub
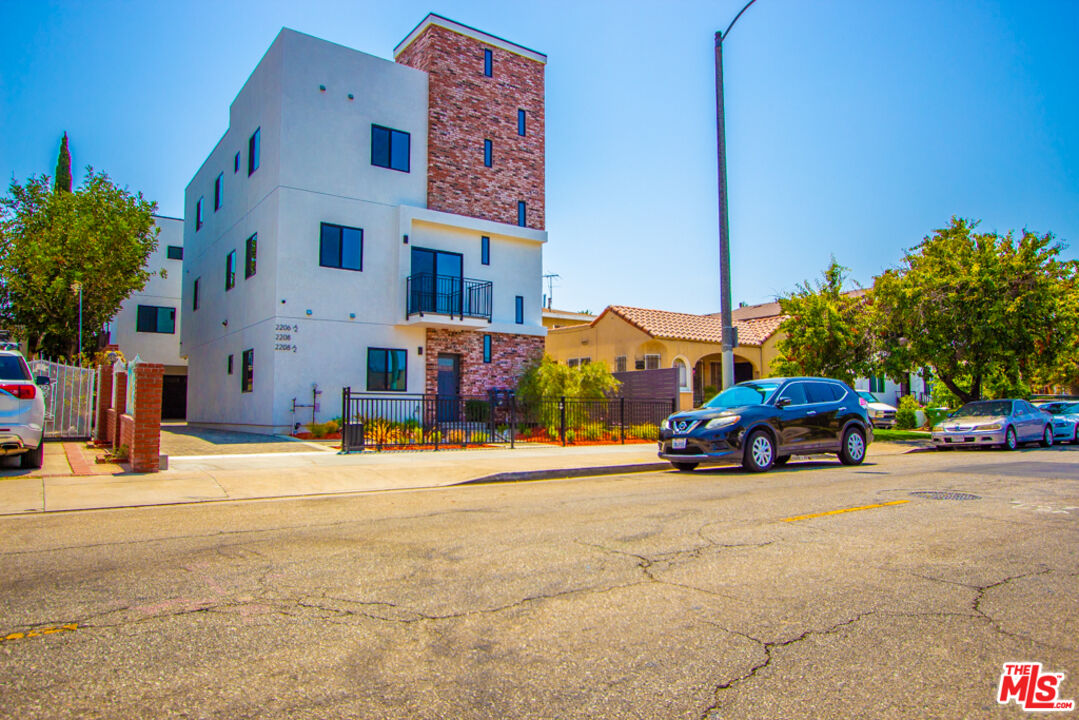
[
  {"x": 571, "y": 437},
  {"x": 935, "y": 415},
  {"x": 477, "y": 411},
  {"x": 643, "y": 432},
  {"x": 710, "y": 391},
  {"x": 455, "y": 437},
  {"x": 321, "y": 430},
  {"x": 906, "y": 418},
  {"x": 593, "y": 433}
]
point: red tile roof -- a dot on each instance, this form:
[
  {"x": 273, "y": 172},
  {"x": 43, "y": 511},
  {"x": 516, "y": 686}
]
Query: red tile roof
[{"x": 696, "y": 328}]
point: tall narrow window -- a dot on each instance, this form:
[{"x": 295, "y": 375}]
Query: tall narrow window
[
  {"x": 236, "y": 163},
  {"x": 487, "y": 151},
  {"x": 217, "y": 191},
  {"x": 522, "y": 211},
  {"x": 390, "y": 148},
  {"x": 230, "y": 365},
  {"x": 195, "y": 295},
  {"x": 247, "y": 378},
  {"x": 198, "y": 215},
  {"x": 253, "y": 146},
  {"x": 488, "y": 64},
  {"x": 487, "y": 348},
  {"x": 519, "y": 310},
  {"x": 485, "y": 250},
  {"x": 340, "y": 247},
  {"x": 230, "y": 271},
  {"x": 521, "y": 122},
  {"x": 386, "y": 369},
  {"x": 620, "y": 363},
  {"x": 249, "y": 256}
]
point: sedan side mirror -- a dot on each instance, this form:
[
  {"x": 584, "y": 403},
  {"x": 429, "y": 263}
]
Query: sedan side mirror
[
  {"x": 783, "y": 402},
  {"x": 43, "y": 380}
]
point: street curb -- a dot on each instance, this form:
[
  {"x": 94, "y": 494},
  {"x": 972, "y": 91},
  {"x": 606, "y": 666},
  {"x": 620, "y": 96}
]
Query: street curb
[{"x": 527, "y": 475}]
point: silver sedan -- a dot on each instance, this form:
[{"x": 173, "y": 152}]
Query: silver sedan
[{"x": 995, "y": 422}]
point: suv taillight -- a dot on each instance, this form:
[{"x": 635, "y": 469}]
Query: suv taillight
[{"x": 23, "y": 392}]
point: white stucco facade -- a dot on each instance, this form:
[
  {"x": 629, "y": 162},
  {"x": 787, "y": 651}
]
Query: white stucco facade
[{"x": 314, "y": 104}]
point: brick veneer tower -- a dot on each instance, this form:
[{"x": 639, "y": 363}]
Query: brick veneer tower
[{"x": 467, "y": 107}]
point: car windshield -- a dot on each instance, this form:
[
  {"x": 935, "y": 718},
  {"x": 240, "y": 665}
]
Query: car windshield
[
  {"x": 751, "y": 393},
  {"x": 1061, "y": 408},
  {"x": 12, "y": 368},
  {"x": 868, "y": 396},
  {"x": 989, "y": 408}
]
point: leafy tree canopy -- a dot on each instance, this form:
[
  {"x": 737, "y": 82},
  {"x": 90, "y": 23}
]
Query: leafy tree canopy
[
  {"x": 99, "y": 236},
  {"x": 978, "y": 308},
  {"x": 548, "y": 379},
  {"x": 828, "y": 333}
]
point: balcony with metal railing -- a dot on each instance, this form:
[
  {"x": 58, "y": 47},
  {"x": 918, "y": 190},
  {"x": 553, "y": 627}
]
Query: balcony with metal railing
[{"x": 433, "y": 297}]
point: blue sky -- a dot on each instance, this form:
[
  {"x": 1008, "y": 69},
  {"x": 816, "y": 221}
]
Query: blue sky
[{"x": 854, "y": 128}]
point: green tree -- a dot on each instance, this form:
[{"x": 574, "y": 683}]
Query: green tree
[
  {"x": 63, "y": 168},
  {"x": 828, "y": 332},
  {"x": 99, "y": 236},
  {"x": 548, "y": 379},
  {"x": 987, "y": 312}
]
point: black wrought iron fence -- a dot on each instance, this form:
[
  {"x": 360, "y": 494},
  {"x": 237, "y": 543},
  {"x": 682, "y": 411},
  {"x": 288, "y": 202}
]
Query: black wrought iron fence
[{"x": 441, "y": 421}]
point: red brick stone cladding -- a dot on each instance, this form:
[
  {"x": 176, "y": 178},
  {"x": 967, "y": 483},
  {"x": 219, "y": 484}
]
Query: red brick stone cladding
[
  {"x": 465, "y": 108},
  {"x": 510, "y": 356}
]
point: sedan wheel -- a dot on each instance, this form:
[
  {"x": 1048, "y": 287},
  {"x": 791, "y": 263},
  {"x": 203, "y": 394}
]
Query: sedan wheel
[
  {"x": 1011, "y": 442},
  {"x": 760, "y": 452},
  {"x": 1047, "y": 436},
  {"x": 853, "y": 452}
]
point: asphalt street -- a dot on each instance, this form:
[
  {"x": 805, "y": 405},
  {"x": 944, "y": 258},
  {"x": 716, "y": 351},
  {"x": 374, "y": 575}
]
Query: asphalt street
[{"x": 715, "y": 594}]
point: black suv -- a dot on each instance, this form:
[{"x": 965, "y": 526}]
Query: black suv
[{"x": 762, "y": 423}]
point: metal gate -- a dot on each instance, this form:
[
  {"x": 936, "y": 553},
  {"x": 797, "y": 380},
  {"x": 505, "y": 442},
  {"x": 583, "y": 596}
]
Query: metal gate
[{"x": 69, "y": 399}]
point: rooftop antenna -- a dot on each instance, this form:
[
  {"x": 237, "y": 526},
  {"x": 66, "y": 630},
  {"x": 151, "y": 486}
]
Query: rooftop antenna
[{"x": 550, "y": 277}]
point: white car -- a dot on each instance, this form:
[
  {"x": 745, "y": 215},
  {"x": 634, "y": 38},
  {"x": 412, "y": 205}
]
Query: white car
[
  {"x": 22, "y": 410},
  {"x": 881, "y": 415},
  {"x": 1065, "y": 419}
]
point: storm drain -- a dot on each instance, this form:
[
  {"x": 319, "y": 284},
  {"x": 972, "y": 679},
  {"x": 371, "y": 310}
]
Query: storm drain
[{"x": 945, "y": 495}]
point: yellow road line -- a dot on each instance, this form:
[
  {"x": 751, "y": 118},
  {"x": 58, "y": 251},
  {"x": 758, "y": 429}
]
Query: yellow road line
[
  {"x": 844, "y": 510},
  {"x": 41, "y": 631}
]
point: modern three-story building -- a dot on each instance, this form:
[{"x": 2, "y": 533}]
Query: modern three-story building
[{"x": 367, "y": 223}]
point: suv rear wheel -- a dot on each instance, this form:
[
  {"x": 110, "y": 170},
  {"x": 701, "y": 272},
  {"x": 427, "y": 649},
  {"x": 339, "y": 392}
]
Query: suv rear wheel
[
  {"x": 760, "y": 452},
  {"x": 853, "y": 450},
  {"x": 33, "y": 459}
]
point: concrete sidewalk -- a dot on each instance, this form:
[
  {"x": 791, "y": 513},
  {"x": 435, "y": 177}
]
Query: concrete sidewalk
[{"x": 317, "y": 472}]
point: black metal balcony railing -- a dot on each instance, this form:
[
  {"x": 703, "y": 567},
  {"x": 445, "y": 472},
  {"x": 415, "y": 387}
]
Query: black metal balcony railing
[{"x": 448, "y": 295}]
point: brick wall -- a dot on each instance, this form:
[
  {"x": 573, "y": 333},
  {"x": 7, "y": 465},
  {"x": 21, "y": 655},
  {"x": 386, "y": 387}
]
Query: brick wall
[
  {"x": 466, "y": 107},
  {"x": 510, "y": 356},
  {"x": 119, "y": 405},
  {"x": 145, "y": 445},
  {"x": 104, "y": 402}
]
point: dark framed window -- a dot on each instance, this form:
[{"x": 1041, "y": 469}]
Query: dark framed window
[
  {"x": 230, "y": 271},
  {"x": 174, "y": 252},
  {"x": 154, "y": 319},
  {"x": 390, "y": 148},
  {"x": 386, "y": 369},
  {"x": 485, "y": 250},
  {"x": 522, "y": 212},
  {"x": 487, "y": 152},
  {"x": 620, "y": 363},
  {"x": 487, "y": 348},
  {"x": 195, "y": 295},
  {"x": 236, "y": 163},
  {"x": 230, "y": 365},
  {"x": 488, "y": 63},
  {"x": 521, "y": 122},
  {"x": 340, "y": 247},
  {"x": 249, "y": 255},
  {"x": 198, "y": 215},
  {"x": 247, "y": 377},
  {"x": 519, "y": 310},
  {"x": 254, "y": 144},
  {"x": 217, "y": 191}
]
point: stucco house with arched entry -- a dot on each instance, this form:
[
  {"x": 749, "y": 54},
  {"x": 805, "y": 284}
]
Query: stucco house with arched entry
[{"x": 631, "y": 338}]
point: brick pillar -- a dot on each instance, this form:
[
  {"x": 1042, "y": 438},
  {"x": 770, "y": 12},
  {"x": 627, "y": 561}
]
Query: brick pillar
[
  {"x": 146, "y": 442},
  {"x": 119, "y": 405},
  {"x": 104, "y": 402}
]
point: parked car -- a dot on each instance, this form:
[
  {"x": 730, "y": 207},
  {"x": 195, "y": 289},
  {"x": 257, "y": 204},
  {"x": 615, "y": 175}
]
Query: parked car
[
  {"x": 761, "y": 423},
  {"x": 22, "y": 410},
  {"x": 882, "y": 415},
  {"x": 995, "y": 422},
  {"x": 1065, "y": 420}
]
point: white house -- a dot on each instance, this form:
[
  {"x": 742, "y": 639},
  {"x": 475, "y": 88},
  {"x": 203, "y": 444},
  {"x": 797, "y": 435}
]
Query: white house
[
  {"x": 148, "y": 323},
  {"x": 367, "y": 223}
]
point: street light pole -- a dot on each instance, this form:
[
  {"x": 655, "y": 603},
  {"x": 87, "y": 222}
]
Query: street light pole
[{"x": 729, "y": 339}]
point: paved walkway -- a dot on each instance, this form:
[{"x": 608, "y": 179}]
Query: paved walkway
[
  {"x": 179, "y": 439},
  {"x": 251, "y": 476}
]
